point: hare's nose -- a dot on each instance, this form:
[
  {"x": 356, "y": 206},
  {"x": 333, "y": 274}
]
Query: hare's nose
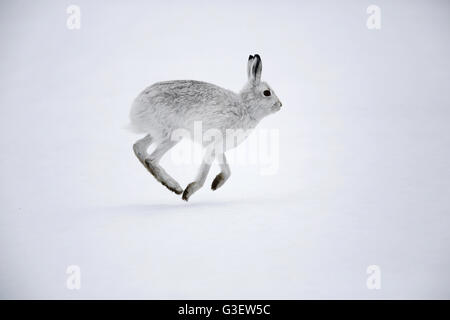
[{"x": 279, "y": 102}]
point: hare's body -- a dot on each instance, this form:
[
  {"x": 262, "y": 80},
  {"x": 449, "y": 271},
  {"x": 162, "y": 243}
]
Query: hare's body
[{"x": 165, "y": 107}]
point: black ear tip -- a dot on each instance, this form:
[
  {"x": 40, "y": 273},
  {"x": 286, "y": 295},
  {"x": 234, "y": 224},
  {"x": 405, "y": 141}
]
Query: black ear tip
[
  {"x": 257, "y": 56},
  {"x": 250, "y": 57}
]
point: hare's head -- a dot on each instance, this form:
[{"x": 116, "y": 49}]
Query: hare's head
[{"x": 257, "y": 94}]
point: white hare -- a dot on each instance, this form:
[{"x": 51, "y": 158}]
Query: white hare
[{"x": 165, "y": 107}]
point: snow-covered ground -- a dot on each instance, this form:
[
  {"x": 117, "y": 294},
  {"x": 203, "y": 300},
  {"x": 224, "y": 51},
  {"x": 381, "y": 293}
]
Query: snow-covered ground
[{"x": 362, "y": 162}]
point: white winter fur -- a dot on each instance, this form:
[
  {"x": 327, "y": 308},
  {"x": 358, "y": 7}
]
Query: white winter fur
[{"x": 164, "y": 107}]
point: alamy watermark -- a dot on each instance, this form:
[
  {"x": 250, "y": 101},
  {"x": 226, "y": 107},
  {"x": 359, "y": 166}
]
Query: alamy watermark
[
  {"x": 73, "y": 21},
  {"x": 261, "y": 148},
  {"x": 374, "y": 19},
  {"x": 73, "y": 281},
  {"x": 373, "y": 281}
]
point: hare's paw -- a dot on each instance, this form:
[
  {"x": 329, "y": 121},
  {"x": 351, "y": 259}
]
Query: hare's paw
[
  {"x": 174, "y": 187},
  {"x": 171, "y": 184},
  {"x": 162, "y": 176},
  {"x": 218, "y": 181},
  {"x": 190, "y": 189}
]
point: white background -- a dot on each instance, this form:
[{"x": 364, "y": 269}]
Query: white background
[{"x": 363, "y": 172}]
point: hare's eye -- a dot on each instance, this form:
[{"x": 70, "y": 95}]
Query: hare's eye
[{"x": 266, "y": 93}]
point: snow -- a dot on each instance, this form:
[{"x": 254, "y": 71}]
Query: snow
[{"x": 362, "y": 163}]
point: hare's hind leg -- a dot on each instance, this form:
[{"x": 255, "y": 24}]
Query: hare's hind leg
[
  {"x": 151, "y": 162},
  {"x": 223, "y": 175}
]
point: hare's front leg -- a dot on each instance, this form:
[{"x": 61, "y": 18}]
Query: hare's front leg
[
  {"x": 201, "y": 176},
  {"x": 223, "y": 175},
  {"x": 151, "y": 162}
]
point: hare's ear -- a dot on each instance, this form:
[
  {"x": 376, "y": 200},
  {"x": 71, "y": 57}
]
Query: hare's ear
[
  {"x": 256, "y": 69},
  {"x": 249, "y": 66}
]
